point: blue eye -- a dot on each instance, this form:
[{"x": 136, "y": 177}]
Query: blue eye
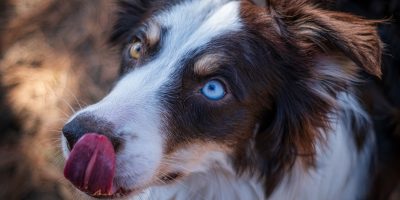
[{"x": 213, "y": 90}]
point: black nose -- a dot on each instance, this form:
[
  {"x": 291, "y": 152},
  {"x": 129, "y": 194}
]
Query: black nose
[{"x": 86, "y": 123}]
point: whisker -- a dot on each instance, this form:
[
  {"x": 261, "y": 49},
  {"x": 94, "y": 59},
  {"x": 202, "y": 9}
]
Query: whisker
[{"x": 60, "y": 98}]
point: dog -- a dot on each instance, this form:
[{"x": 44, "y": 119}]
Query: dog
[{"x": 226, "y": 99}]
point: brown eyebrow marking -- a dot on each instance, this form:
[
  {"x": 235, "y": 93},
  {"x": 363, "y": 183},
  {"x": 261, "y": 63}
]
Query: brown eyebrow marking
[
  {"x": 153, "y": 33},
  {"x": 208, "y": 64}
]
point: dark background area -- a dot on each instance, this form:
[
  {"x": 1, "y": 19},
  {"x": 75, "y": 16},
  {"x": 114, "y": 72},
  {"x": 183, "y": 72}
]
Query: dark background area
[
  {"x": 383, "y": 96},
  {"x": 54, "y": 59}
]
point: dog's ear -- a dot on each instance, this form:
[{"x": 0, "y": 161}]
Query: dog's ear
[
  {"x": 316, "y": 30},
  {"x": 131, "y": 14}
]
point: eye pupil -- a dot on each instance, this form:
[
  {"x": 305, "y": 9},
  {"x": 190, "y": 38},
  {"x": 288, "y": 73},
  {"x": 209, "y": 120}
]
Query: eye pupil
[
  {"x": 211, "y": 87},
  {"x": 135, "y": 50},
  {"x": 214, "y": 90}
]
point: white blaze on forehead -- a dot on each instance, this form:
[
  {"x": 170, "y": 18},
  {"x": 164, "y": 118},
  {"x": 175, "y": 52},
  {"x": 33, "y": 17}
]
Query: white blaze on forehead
[{"x": 193, "y": 24}]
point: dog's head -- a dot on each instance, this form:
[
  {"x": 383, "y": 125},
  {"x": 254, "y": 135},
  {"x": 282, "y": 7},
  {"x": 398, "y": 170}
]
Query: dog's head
[{"x": 220, "y": 83}]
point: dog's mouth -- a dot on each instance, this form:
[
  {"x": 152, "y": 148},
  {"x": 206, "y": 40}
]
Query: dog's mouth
[
  {"x": 164, "y": 180},
  {"x": 91, "y": 168},
  {"x": 119, "y": 193},
  {"x": 123, "y": 192}
]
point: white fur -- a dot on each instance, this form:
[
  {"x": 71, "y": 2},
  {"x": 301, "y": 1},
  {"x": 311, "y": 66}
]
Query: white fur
[
  {"x": 214, "y": 184},
  {"x": 214, "y": 178},
  {"x": 341, "y": 171}
]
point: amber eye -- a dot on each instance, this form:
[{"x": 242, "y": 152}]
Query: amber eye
[{"x": 136, "y": 50}]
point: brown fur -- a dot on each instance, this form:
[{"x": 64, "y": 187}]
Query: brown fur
[{"x": 300, "y": 33}]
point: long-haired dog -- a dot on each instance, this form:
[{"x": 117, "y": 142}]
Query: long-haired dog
[{"x": 224, "y": 99}]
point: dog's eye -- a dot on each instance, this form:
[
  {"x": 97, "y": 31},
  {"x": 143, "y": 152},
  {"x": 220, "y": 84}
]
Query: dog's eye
[
  {"x": 214, "y": 90},
  {"x": 136, "y": 50}
]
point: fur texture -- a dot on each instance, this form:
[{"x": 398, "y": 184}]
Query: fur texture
[
  {"x": 38, "y": 38},
  {"x": 289, "y": 126}
]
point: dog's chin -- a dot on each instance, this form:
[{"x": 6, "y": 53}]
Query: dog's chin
[
  {"x": 120, "y": 193},
  {"x": 127, "y": 192}
]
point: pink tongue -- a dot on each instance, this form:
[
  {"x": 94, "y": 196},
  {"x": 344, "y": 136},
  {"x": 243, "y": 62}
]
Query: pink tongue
[{"x": 91, "y": 165}]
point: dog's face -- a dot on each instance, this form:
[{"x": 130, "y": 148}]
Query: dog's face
[{"x": 208, "y": 83}]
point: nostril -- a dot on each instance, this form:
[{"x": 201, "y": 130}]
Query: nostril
[
  {"x": 72, "y": 133},
  {"x": 71, "y": 139}
]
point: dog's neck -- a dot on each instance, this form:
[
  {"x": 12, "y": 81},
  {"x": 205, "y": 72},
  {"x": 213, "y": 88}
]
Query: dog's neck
[
  {"x": 342, "y": 168},
  {"x": 214, "y": 184}
]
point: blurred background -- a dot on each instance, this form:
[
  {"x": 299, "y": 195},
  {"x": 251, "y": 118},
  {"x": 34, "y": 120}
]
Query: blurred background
[{"x": 54, "y": 59}]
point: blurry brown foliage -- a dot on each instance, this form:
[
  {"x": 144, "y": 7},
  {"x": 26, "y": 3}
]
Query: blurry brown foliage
[{"x": 52, "y": 52}]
